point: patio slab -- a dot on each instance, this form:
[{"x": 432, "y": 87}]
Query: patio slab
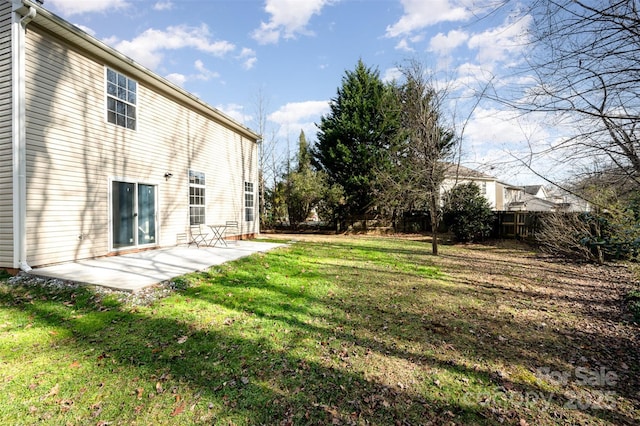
[{"x": 132, "y": 272}]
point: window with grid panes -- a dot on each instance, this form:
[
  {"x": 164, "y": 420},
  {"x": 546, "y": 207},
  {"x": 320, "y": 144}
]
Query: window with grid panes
[
  {"x": 248, "y": 201},
  {"x": 196, "y": 198},
  {"x": 121, "y": 99}
]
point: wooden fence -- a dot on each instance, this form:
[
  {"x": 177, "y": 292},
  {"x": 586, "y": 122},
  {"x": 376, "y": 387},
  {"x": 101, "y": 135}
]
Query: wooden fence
[
  {"x": 521, "y": 225},
  {"x": 506, "y": 224}
]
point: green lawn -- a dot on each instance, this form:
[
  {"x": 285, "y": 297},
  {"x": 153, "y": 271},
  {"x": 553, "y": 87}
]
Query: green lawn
[{"x": 341, "y": 330}]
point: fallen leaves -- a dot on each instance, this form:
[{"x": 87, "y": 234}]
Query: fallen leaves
[
  {"x": 53, "y": 392},
  {"x": 178, "y": 409}
]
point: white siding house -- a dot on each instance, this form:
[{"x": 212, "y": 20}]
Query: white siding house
[
  {"x": 99, "y": 155},
  {"x": 504, "y": 197},
  {"x": 493, "y": 190}
]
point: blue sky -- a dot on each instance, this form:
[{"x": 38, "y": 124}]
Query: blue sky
[{"x": 295, "y": 53}]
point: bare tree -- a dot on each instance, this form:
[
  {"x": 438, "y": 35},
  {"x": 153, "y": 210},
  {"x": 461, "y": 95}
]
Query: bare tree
[
  {"x": 423, "y": 145},
  {"x": 585, "y": 58},
  {"x": 269, "y": 161}
]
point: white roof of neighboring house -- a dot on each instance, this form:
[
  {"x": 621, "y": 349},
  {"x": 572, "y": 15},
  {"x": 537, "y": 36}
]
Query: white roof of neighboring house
[
  {"x": 100, "y": 50},
  {"x": 461, "y": 172},
  {"x": 529, "y": 202}
]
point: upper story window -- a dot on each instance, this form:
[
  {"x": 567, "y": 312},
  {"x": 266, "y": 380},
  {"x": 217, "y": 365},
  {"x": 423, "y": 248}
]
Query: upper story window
[{"x": 121, "y": 99}]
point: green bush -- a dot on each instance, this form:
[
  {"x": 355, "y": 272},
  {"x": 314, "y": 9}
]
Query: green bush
[
  {"x": 633, "y": 302},
  {"x": 467, "y": 213}
]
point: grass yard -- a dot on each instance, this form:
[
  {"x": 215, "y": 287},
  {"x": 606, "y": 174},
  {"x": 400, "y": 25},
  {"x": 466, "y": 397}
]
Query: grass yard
[{"x": 333, "y": 330}]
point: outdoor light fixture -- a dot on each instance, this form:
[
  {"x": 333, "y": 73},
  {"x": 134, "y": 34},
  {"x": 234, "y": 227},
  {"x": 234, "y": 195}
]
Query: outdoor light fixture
[{"x": 167, "y": 175}]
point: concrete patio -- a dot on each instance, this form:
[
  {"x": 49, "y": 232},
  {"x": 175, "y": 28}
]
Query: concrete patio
[{"x": 132, "y": 272}]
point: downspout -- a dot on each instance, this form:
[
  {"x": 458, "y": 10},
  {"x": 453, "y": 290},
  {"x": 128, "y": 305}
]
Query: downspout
[{"x": 19, "y": 136}]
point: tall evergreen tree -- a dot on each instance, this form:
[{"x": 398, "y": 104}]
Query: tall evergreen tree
[
  {"x": 304, "y": 153},
  {"x": 352, "y": 139}
]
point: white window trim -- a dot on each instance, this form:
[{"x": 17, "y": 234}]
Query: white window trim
[
  {"x": 196, "y": 185},
  {"x": 136, "y": 105},
  {"x": 253, "y": 206},
  {"x": 155, "y": 183}
]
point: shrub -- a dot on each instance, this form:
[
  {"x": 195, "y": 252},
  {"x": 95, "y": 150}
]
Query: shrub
[
  {"x": 592, "y": 237},
  {"x": 467, "y": 213},
  {"x": 633, "y": 302}
]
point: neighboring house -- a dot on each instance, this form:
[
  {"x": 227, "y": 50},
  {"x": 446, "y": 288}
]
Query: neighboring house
[
  {"x": 531, "y": 203},
  {"x": 537, "y": 191},
  {"x": 99, "y": 155},
  {"x": 504, "y": 197},
  {"x": 497, "y": 193}
]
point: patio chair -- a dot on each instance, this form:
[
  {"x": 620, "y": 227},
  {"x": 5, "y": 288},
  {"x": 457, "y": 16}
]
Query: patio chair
[
  {"x": 232, "y": 225},
  {"x": 197, "y": 236}
]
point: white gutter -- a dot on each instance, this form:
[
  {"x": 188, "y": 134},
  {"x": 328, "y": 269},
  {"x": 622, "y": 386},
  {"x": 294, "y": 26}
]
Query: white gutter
[
  {"x": 28, "y": 17},
  {"x": 19, "y": 134}
]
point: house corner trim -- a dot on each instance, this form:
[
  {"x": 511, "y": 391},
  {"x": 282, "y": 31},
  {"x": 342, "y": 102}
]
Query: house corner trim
[{"x": 19, "y": 138}]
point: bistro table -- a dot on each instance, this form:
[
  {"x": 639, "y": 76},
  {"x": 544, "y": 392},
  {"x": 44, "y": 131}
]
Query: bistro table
[{"x": 217, "y": 235}]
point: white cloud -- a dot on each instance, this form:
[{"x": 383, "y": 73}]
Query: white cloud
[
  {"x": 419, "y": 14},
  {"x": 75, "y": 7},
  {"x": 147, "y": 47},
  {"x": 403, "y": 45},
  {"x": 288, "y": 18},
  {"x": 86, "y": 29},
  {"x": 178, "y": 79},
  {"x": 472, "y": 77},
  {"x": 391, "y": 74},
  {"x": 203, "y": 73},
  {"x": 443, "y": 44},
  {"x": 491, "y": 126},
  {"x": 504, "y": 140},
  {"x": 235, "y": 111},
  {"x": 297, "y": 111},
  {"x": 163, "y": 5},
  {"x": 296, "y": 116},
  {"x": 248, "y": 56},
  {"x": 501, "y": 43}
]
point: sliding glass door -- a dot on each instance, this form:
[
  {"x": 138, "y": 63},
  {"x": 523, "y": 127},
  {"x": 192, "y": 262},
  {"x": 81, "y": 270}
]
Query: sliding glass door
[
  {"x": 146, "y": 214},
  {"x": 133, "y": 212}
]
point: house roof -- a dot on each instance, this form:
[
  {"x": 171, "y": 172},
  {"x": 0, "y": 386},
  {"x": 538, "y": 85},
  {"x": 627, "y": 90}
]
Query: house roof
[
  {"x": 77, "y": 37},
  {"x": 532, "y": 189},
  {"x": 528, "y": 198},
  {"x": 455, "y": 170}
]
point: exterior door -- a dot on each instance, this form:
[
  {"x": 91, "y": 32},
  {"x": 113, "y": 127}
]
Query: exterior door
[
  {"x": 146, "y": 214},
  {"x": 133, "y": 212}
]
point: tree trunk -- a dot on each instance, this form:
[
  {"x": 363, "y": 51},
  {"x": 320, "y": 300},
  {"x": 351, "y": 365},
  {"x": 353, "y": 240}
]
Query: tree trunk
[{"x": 433, "y": 206}]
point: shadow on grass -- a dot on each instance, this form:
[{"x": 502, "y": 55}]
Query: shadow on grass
[
  {"x": 256, "y": 382},
  {"x": 307, "y": 374},
  {"x": 479, "y": 334}
]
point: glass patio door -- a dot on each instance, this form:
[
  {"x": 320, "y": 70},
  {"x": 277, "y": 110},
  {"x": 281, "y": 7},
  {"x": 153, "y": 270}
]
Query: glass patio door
[
  {"x": 146, "y": 214},
  {"x": 133, "y": 212}
]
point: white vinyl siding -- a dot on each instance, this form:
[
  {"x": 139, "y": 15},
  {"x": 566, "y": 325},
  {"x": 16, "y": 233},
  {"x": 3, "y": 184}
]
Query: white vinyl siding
[
  {"x": 6, "y": 147},
  {"x": 73, "y": 152}
]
